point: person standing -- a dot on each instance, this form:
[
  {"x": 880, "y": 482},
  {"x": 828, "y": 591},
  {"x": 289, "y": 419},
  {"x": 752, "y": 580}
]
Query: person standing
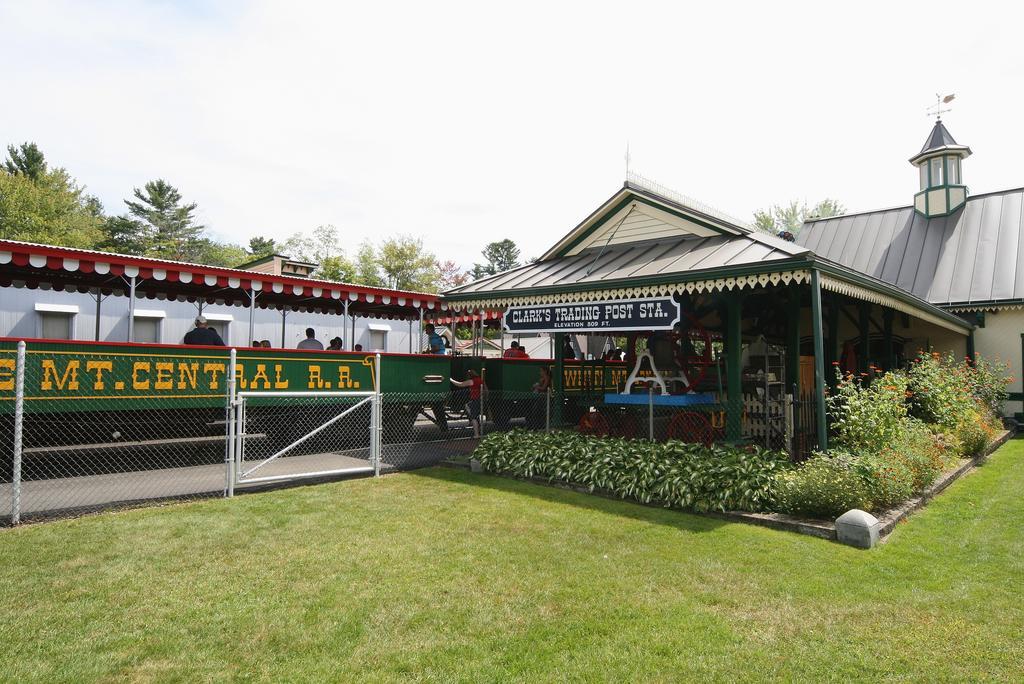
[
  {"x": 203, "y": 334},
  {"x": 475, "y": 383},
  {"x": 435, "y": 343},
  {"x": 568, "y": 352},
  {"x": 310, "y": 342}
]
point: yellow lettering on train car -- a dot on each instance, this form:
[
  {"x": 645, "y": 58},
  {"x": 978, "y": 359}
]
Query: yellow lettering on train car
[
  {"x": 240, "y": 375},
  {"x": 279, "y": 382},
  {"x": 6, "y": 374},
  {"x": 345, "y": 378},
  {"x": 164, "y": 375},
  {"x": 137, "y": 382},
  {"x": 261, "y": 374},
  {"x": 316, "y": 380},
  {"x": 188, "y": 375},
  {"x": 69, "y": 379},
  {"x": 214, "y": 370},
  {"x": 99, "y": 367}
]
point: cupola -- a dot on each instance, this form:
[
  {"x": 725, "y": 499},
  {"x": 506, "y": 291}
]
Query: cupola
[{"x": 942, "y": 190}]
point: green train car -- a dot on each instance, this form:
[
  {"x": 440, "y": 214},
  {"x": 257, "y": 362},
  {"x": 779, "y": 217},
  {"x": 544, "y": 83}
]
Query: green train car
[{"x": 91, "y": 397}]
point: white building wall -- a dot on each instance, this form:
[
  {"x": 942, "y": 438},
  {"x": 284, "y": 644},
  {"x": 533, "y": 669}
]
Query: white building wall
[
  {"x": 18, "y": 318},
  {"x": 1000, "y": 339}
]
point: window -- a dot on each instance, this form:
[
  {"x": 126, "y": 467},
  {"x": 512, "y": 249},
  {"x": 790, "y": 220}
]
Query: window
[
  {"x": 924, "y": 176},
  {"x": 221, "y": 323},
  {"x": 953, "y": 170},
  {"x": 147, "y": 330},
  {"x": 378, "y": 340},
  {"x": 936, "y": 172},
  {"x": 148, "y": 326},
  {"x": 56, "y": 326},
  {"x": 56, "y": 321}
]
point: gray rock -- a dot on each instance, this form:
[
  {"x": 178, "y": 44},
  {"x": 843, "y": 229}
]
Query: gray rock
[
  {"x": 476, "y": 466},
  {"x": 857, "y": 528}
]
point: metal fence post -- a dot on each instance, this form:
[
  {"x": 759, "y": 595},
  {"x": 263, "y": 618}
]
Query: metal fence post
[
  {"x": 19, "y": 417},
  {"x": 650, "y": 412},
  {"x": 379, "y": 413},
  {"x": 231, "y": 429},
  {"x": 547, "y": 410}
]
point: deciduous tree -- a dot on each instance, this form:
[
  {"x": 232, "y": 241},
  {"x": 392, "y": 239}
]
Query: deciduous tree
[
  {"x": 406, "y": 265},
  {"x": 787, "y": 220},
  {"x": 47, "y": 206}
]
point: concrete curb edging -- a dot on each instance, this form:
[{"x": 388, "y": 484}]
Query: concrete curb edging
[{"x": 823, "y": 529}]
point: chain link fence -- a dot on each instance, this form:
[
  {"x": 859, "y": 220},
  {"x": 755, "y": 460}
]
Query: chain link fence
[
  {"x": 76, "y": 440},
  {"x": 64, "y": 455}
]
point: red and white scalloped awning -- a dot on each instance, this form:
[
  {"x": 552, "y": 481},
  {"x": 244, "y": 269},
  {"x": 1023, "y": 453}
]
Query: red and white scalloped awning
[{"x": 87, "y": 268}]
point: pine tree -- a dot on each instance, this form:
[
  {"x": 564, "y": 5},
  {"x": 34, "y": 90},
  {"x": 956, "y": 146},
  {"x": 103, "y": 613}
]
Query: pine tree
[
  {"x": 171, "y": 227},
  {"x": 26, "y": 159}
]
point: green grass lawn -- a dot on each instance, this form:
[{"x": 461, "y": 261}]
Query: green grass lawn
[{"x": 446, "y": 575}]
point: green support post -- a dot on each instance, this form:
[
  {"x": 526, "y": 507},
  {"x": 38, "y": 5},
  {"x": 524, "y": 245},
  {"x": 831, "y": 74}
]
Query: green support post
[
  {"x": 558, "y": 395},
  {"x": 734, "y": 377},
  {"x": 887, "y": 317},
  {"x": 793, "y": 339},
  {"x": 834, "y": 350},
  {"x": 819, "y": 361},
  {"x": 864, "y": 325}
]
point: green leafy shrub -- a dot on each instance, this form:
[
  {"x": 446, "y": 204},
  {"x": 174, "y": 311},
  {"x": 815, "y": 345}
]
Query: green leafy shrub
[
  {"x": 824, "y": 486},
  {"x": 868, "y": 417},
  {"x": 959, "y": 397},
  {"x": 887, "y": 477},
  {"x": 677, "y": 474},
  {"x": 988, "y": 381}
]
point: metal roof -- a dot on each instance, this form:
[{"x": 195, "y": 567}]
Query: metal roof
[
  {"x": 637, "y": 261},
  {"x": 940, "y": 140},
  {"x": 974, "y": 255}
]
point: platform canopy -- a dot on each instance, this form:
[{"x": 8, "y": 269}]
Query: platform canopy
[
  {"x": 647, "y": 241},
  {"x": 24, "y": 264}
]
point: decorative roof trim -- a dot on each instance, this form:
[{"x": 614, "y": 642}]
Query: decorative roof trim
[
  {"x": 850, "y": 290},
  {"x": 1010, "y": 306},
  {"x": 711, "y": 285}
]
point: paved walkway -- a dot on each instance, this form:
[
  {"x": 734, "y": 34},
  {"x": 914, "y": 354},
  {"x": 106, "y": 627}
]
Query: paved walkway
[{"x": 94, "y": 491}]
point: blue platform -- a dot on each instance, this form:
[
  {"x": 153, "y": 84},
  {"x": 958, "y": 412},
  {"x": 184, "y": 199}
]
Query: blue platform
[{"x": 691, "y": 399}]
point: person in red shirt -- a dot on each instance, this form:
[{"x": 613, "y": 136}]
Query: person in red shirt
[
  {"x": 513, "y": 350},
  {"x": 476, "y": 386}
]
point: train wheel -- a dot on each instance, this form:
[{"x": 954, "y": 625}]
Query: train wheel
[
  {"x": 593, "y": 423},
  {"x": 691, "y": 426}
]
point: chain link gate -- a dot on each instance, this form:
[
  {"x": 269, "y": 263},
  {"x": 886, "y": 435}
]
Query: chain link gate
[{"x": 279, "y": 436}]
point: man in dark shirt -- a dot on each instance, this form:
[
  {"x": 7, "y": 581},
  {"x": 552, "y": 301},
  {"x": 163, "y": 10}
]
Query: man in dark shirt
[{"x": 203, "y": 334}]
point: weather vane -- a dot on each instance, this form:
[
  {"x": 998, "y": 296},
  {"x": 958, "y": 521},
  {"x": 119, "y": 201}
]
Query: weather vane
[{"x": 939, "y": 101}]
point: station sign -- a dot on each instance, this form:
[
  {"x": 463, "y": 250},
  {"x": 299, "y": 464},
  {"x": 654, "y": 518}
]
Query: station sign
[{"x": 619, "y": 315}]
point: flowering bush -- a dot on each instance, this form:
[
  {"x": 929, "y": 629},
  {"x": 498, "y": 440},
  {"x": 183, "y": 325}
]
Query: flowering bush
[
  {"x": 988, "y": 381},
  {"x": 868, "y": 417},
  {"x": 957, "y": 397},
  {"x": 894, "y": 434},
  {"x": 824, "y": 486}
]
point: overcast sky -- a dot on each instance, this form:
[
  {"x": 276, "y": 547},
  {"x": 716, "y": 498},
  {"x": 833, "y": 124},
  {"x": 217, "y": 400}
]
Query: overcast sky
[{"x": 467, "y": 123}]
